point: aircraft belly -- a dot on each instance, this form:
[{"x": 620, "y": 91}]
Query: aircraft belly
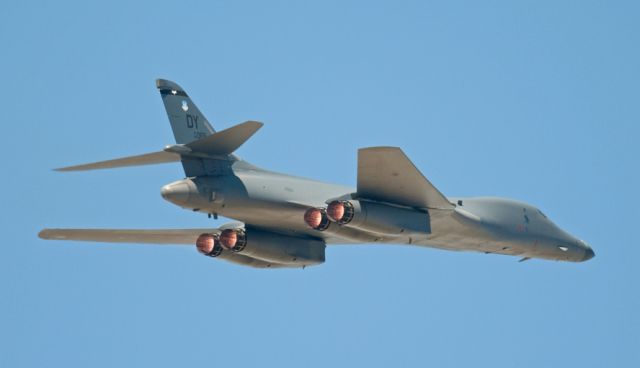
[{"x": 451, "y": 232}]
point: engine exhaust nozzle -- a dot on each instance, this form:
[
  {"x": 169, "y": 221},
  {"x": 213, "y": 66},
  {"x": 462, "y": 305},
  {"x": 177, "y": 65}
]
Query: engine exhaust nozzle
[
  {"x": 209, "y": 245},
  {"x": 341, "y": 212},
  {"x": 317, "y": 219}
]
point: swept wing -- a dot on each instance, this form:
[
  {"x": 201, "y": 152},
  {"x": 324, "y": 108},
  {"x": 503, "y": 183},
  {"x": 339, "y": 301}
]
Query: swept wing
[{"x": 155, "y": 236}]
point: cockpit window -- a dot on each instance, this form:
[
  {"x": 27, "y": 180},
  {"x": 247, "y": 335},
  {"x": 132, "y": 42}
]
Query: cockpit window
[{"x": 542, "y": 214}]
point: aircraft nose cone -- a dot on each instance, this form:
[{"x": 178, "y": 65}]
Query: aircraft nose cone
[
  {"x": 588, "y": 254},
  {"x": 177, "y": 193}
]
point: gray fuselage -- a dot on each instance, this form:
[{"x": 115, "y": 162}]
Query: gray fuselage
[{"x": 278, "y": 202}]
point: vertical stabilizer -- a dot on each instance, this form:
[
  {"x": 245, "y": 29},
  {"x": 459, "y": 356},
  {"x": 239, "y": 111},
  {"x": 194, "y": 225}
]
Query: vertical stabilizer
[{"x": 187, "y": 122}]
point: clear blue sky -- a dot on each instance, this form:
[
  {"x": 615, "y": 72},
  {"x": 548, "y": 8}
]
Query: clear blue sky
[{"x": 537, "y": 101}]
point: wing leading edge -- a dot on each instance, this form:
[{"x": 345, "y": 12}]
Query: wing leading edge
[{"x": 386, "y": 174}]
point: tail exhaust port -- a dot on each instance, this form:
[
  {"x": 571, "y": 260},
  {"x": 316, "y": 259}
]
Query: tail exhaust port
[
  {"x": 341, "y": 211},
  {"x": 317, "y": 219},
  {"x": 209, "y": 245},
  {"x": 233, "y": 239}
]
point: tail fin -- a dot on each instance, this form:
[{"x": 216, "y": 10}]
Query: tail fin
[
  {"x": 187, "y": 122},
  {"x": 196, "y": 140}
]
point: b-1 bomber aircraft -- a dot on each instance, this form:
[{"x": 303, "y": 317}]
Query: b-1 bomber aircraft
[{"x": 286, "y": 221}]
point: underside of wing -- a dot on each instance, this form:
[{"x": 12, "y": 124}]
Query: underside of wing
[
  {"x": 232, "y": 242},
  {"x": 159, "y": 236},
  {"x": 386, "y": 174}
]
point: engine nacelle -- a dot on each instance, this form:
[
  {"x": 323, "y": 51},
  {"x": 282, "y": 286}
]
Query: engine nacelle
[
  {"x": 273, "y": 247},
  {"x": 378, "y": 217}
]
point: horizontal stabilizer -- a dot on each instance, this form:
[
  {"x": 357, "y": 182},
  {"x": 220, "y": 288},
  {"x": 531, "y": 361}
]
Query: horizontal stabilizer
[
  {"x": 146, "y": 159},
  {"x": 217, "y": 144},
  {"x": 226, "y": 141},
  {"x": 386, "y": 174}
]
